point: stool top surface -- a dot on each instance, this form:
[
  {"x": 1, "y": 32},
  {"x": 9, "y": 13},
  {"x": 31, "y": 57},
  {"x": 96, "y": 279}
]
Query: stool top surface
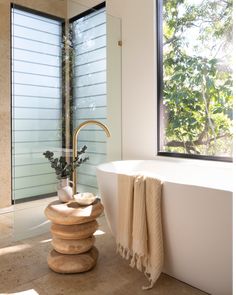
[{"x": 72, "y": 212}]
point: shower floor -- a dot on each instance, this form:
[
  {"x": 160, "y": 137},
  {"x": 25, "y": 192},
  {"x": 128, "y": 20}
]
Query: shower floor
[{"x": 23, "y": 268}]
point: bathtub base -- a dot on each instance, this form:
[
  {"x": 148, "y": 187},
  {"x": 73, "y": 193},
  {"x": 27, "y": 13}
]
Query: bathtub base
[{"x": 197, "y": 220}]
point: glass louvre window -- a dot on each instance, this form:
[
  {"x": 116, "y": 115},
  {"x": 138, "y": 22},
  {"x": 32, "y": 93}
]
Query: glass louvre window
[
  {"x": 89, "y": 90},
  {"x": 36, "y": 101},
  {"x": 195, "y": 78}
]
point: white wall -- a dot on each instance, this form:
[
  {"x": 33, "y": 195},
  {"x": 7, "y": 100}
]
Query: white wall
[{"x": 139, "y": 107}]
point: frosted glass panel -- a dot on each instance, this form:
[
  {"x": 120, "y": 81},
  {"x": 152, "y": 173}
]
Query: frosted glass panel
[
  {"x": 99, "y": 65},
  {"x": 94, "y": 101},
  {"x": 33, "y": 21},
  {"x": 36, "y": 102},
  {"x": 93, "y": 78},
  {"x": 32, "y": 56},
  {"x": 36, "y": 91},
  {"x": 89, "y": 91},
  {"x": 91, "y": 56},
  {"x": 37, "y": 124},
  {"x": 45, "y": 48},
  {"x": 45, "y": 80}
]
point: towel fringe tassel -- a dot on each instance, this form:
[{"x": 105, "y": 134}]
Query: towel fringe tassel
[
  {"x": 136, "y": 260},
  {"x": 124, "y": 252}
]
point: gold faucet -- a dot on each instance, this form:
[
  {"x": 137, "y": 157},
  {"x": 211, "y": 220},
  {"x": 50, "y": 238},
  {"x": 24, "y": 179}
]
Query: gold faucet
[{"x": 75, "y": 147}]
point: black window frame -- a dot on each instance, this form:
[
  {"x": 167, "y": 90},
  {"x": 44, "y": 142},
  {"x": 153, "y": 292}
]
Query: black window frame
[{"x": 159, "y": 52}]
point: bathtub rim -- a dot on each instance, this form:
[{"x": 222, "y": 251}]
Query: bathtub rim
[{"x": 107, "y": 168}]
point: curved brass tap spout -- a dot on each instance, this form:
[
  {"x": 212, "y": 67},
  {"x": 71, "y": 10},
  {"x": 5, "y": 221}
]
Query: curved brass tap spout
[{"x": 75, "y": 147}]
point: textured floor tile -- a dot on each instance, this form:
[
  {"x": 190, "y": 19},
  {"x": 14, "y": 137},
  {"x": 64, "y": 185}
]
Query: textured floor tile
[
  {"x": 21, "y": 263},
  {"x": 26, "y": 289},
  {"x": 34, "y": 203},
  {"x": 6, "y": 224},
  {"x": 23, "y": 267}
]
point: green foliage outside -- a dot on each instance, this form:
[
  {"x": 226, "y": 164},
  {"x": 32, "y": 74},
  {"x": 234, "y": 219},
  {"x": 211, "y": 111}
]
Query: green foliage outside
[{"x": 197, "y": 77}]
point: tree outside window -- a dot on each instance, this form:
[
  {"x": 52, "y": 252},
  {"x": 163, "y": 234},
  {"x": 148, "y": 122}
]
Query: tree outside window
[{"x": 196, "y": 100}]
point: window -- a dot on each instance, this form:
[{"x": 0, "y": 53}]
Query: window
[
  {"x": 195, "y": 78},
  {"x": 36, "y": 101},
  {"x": 88, "y": 32}
]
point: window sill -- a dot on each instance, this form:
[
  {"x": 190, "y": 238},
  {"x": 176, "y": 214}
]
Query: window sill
[{"x": 195, "y": 157}]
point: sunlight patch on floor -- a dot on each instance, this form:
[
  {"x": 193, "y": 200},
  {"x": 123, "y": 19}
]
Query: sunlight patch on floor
[
  {"x": 14, "y": 249},
  {"x": 99, "y": 232},
  {"x": 40, "y": 225},
  {"x": 28, "y": 292},
  {"x": 45, "y": 241}
]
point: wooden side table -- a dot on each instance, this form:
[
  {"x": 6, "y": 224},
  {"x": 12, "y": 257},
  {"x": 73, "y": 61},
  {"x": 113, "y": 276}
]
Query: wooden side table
[{"x": 72, "y": 229}]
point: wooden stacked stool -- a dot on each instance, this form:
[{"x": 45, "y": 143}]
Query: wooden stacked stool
[{"x": 72, "y": 229}]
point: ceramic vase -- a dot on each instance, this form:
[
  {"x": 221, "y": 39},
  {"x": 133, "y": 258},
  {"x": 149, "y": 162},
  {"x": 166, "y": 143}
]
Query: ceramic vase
[{"x": 64, "y": 190}]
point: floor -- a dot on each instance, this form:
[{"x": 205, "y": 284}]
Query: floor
[{"x": 24, "y": 270}]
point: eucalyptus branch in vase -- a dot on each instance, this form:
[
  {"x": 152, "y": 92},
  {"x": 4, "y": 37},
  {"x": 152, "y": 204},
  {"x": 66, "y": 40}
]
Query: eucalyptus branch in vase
[{"x": 64, "y": 171}]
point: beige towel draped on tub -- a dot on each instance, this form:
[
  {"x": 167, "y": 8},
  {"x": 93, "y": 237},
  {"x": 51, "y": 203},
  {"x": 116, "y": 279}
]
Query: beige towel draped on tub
[{"x": 139, "y": 232}]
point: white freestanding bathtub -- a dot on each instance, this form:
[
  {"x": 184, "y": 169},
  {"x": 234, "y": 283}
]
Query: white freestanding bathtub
[{"x": 196, "y": 214}]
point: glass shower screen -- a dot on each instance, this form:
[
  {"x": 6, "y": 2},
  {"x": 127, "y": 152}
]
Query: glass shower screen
[{"x": 66, "y": 69}]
